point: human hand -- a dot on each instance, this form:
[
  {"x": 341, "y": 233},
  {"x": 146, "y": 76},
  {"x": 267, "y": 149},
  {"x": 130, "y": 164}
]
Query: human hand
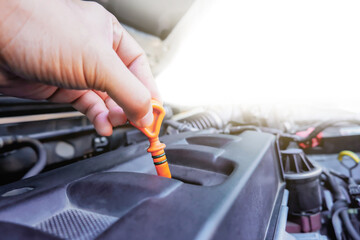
[{"x": 75, "y": 52}]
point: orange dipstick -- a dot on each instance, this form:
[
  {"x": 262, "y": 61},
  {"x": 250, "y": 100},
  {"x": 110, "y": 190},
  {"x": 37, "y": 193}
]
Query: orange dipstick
[{"x": 156, "y": 148}]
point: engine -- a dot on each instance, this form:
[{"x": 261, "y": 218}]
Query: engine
[{"x": 232, "y": 178}]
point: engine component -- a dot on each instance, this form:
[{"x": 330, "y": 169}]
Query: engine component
[
  {"x": 340, "y": 217},
  {"x": 302, "y": 181},
  {"x": 215, "y": 177},
  {"x": 202, "y": 119},
  {"x": 331, "y": 136},
  {"x": 351, "y": 155},
  {"x": 11, "y": 143}
]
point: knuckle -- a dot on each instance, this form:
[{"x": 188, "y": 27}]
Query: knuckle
[
  {"x": 94, "y": 67},
  {"x": 142, "y": 107},
  {"x": 95, "y": 6}
]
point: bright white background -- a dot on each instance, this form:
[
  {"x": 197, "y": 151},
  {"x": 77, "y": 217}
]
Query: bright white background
[{"x": 250, "y": 52}]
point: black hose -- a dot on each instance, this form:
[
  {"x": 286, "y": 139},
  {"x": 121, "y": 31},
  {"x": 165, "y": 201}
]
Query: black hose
[
  {"x": 204, "y": 120},
  {"x": 182, "y": 127},
  {"x": 348, "y": 225},
  {"x": 340, "y": 208},
  {"x": 339, "y": 175},
  {"x": 336, "y": 220},
  {"x": 41, "y": 154},
  {"x": 11, "y": 143},
  {"x": 334, "y": 187},
  {"x": 240, "y": 129}
]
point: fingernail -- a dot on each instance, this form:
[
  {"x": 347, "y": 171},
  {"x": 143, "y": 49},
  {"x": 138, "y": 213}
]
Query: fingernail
[{"x": 146, "y": 120}]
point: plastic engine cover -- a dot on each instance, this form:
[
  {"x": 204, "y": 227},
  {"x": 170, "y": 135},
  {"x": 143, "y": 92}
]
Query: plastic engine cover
[{"x": 223, "y": 187}]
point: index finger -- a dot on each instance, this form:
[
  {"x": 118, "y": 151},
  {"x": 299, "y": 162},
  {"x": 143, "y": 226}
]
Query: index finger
[{"x": 134, "y": 58}]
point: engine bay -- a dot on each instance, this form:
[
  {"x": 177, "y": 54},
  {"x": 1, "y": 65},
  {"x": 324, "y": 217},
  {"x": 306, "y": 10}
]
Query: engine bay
[
  {"x": 232, "y": 177},
  {"x": 251, "y": 153}
]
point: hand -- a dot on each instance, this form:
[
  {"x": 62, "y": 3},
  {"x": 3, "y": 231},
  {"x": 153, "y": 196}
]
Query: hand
[{"x": 75, "y": 52}]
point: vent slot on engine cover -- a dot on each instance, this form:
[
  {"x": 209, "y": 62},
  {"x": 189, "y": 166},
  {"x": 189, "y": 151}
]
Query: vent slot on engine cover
[{"x": 294, "y": 161}]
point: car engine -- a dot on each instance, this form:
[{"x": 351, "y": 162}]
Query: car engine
[
  {"x": 232, "y": 178},
  {"x": 251, "y": 154}
]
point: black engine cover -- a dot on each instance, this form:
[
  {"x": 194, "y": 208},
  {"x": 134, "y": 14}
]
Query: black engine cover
[{"x": 223, "y": 187}]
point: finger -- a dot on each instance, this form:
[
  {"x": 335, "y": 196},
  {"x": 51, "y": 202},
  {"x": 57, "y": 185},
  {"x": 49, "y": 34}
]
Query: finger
[
  {"x": 62, "y": 95},
  {"x": 117, "y": 115},
  {"x": 94, "y": 108},
  {"x": 89, "y": 103},
  {"x": 134, "y": 58},
  {"x": 113, "y": 77},
  {"x": 13, "y": 85}
]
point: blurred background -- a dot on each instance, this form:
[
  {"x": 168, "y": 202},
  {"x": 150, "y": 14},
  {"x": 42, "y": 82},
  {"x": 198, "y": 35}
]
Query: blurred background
[
  {"x": 249, "y": 52},
  {"x": 280, "y": 59}
]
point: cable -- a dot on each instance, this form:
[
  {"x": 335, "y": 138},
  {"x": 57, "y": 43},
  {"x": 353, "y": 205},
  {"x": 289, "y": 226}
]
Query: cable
[
  {"x": 41, "y": 154},
  {"x": 339, "y": 175},
  {"x": 15, "y": 142},
  {"x": 286, "y": 138},
  {"x": 9, "y": 143},
  {"x": 340, "y": 208},
  {"x": 322, "y": 126},
  {"x": 348, "y": 224},
  {"x": 334, "y": 187}
]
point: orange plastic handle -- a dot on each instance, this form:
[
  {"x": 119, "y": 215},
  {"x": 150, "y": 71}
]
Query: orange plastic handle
[{"x": 156, "y": 148}]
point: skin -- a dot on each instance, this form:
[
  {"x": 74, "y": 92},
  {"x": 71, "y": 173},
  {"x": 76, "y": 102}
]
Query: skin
[{"x": 76, "y": 52}]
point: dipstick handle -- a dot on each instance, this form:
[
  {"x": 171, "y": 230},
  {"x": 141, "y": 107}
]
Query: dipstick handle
[{"x": 156, "y": 148}]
